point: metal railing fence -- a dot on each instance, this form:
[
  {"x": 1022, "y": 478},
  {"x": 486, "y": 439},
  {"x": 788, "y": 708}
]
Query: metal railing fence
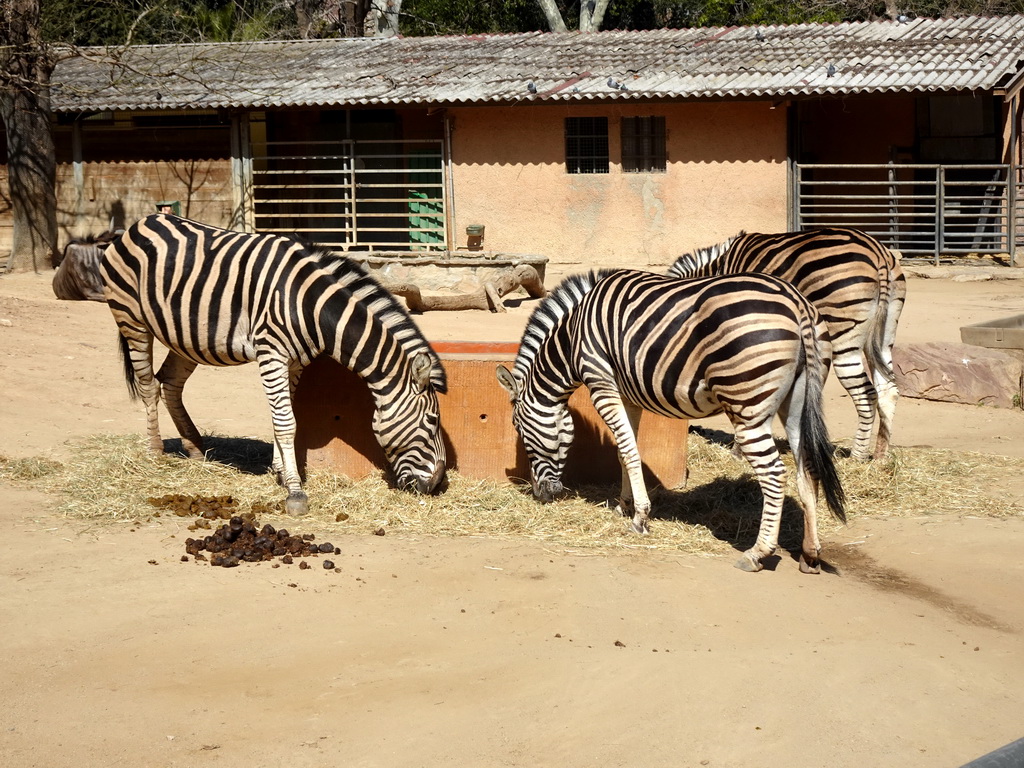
[
  {"x": 926, "y": 211},
  {"x": 377, "y": 195}
]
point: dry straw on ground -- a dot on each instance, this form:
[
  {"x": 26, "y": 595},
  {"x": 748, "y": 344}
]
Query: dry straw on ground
[{"x": 113, "y": 478}]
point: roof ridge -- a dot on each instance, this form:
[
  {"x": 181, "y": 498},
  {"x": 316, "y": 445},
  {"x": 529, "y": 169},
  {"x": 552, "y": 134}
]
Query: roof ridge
[{"x": 759, "y": 61}]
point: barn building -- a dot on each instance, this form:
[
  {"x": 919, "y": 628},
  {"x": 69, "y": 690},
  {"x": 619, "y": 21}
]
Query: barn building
[{"x": 604, "y": 149}]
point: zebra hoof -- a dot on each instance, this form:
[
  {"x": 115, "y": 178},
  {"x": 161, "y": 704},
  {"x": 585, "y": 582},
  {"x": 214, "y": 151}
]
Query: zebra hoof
[
  {"x": 296, "y": 504},
  {"x": 639, "y": 528},
  {"x": 809, "y": 564},
  {"x": 748, "y": 563}
]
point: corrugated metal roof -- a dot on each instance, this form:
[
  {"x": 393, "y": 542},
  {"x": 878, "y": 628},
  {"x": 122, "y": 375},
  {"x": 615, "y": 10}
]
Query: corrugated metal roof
[{"x": 970, "y": 53}]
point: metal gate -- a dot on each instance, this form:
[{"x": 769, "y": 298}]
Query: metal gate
[
  {"x": 352, "y": 194},
  {"x": 925, "y": 211}
]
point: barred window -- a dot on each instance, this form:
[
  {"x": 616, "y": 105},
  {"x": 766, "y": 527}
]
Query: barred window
[
  {"x": 586, "y": 144},
  {"x": 643, "y": 144}
]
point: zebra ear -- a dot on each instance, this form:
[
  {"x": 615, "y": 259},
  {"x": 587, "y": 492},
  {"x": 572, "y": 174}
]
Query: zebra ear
[
  {"x": 421, "y": 367},
  {"x": 508, "y": 381}
]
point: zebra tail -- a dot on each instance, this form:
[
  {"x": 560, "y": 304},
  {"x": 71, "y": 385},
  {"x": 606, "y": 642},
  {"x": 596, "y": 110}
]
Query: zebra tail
[
  {"x": 815, "y": 444},
  {"x": 876, "y": 335},
  {"x": 129, "y": 369}
]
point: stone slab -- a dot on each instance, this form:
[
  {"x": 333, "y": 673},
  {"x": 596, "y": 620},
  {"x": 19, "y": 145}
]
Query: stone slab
[{"x": 959, "y": 373}]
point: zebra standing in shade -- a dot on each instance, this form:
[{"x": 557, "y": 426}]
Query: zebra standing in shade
[
  {"x": 747, "y": 345},
  {"x": 217, "y": 297},
  {"x": 857, "y": 285}
]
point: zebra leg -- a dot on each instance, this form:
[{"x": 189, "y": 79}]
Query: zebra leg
[
  {"x": 275, "y": 373},
  {"x": 617, "y": 415},
  {"x": 806, "y": 482},
  {"x": 294, "y": 371},
  {"x": 172, "y": 377},
  {"x": 888, "y": 396},
  {"x": 810, "y": 548},
  {"x": 625, "y": 501},
  {"x": 758, "y": 447},
  {"x": 139, "y": 343},
  {"x": 852, "y": 374}
]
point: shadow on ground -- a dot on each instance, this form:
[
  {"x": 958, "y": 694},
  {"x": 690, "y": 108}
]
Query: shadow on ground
[{"x": 246, "y": 454}]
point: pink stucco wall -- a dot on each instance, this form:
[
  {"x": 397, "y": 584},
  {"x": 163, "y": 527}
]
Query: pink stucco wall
[{"x": 726, "y": 172}]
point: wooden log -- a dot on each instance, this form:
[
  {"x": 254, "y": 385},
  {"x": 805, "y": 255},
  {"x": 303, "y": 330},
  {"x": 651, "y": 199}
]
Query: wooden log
[
  {"x": 488, "y": 296},
  {"x": 417, "y": 302}
]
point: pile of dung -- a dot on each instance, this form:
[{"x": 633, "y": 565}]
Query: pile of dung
[
  {"x": 206, "y": 507},
  {"x": 240, "y": 541}
]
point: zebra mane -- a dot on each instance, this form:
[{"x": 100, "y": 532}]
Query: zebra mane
[
  {"x": 690, "y": 264},
  {"x": 354, "y": 278},
  {"x": 550, "y": 312},
  {"x": 102, "y": 239}
]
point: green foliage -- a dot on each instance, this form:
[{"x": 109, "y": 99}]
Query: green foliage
[
  {"x": 238, "y": 21},
  {"x": 724, "y": 13},
  {"x": 466, "y": 17},
  {"x": 116, "y": 22},
  {"x": 450, "y": 17}
]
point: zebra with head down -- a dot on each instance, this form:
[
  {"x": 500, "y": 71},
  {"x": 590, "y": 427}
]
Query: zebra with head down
[
  {"x": 77, "y": 276},
  {"x": 217, "y": 297},
  {"x": 747, "y": 345}
]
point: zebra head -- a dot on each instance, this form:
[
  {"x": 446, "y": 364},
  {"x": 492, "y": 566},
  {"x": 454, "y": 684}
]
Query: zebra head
[
  {"x": 546, "y": 429},
  {"x": 407, "y": 424}
]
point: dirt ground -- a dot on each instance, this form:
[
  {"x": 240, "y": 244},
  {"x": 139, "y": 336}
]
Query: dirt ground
[{"x": 478, "y": 652}]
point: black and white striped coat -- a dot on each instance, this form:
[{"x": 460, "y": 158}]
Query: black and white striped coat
[
  {"x": 77, "y": 270},
  {"x": 748, "y": 345},
  {"x": 217, "y": 297},
  {"x": 857, "y": 285}
]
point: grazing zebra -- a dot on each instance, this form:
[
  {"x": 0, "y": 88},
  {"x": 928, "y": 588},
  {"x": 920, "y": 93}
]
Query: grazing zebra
[
  {"x": 77, "y": 275},
  {"x": 747, "y": 345},
  {"x": 217, "y": 297},
  {"x": 857, "y": 285}
]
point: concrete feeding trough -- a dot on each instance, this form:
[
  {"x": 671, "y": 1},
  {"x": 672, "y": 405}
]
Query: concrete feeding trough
[
  {"x": 333, "y": 409},
  {"x": 456, "y": 271},
  {"x": 1005, "y": 333}
]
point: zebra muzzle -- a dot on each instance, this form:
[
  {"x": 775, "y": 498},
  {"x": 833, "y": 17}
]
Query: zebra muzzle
[
  {"x": 437, "y": 477},
  {"x": 546, "y": 490},
  {"x": 428, "y": 484}
]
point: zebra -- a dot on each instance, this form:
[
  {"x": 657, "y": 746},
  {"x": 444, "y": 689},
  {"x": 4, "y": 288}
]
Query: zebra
[
  {"x": 218, "y": 297},
  {"x": 77, "y": 269},
  {"x": 858, "y": 286},
  {"x": 747, "y": 345}
]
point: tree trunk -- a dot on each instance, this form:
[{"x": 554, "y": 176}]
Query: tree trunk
[
  {"x": 592, "y": 14},
  {"x": 552, "y": 14},
  {"x": 304, "y": 10},
  {"x": 25, "y": 67},
  {"x": 353, "y": 17},
  {"x": 390, "y": 12}
]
